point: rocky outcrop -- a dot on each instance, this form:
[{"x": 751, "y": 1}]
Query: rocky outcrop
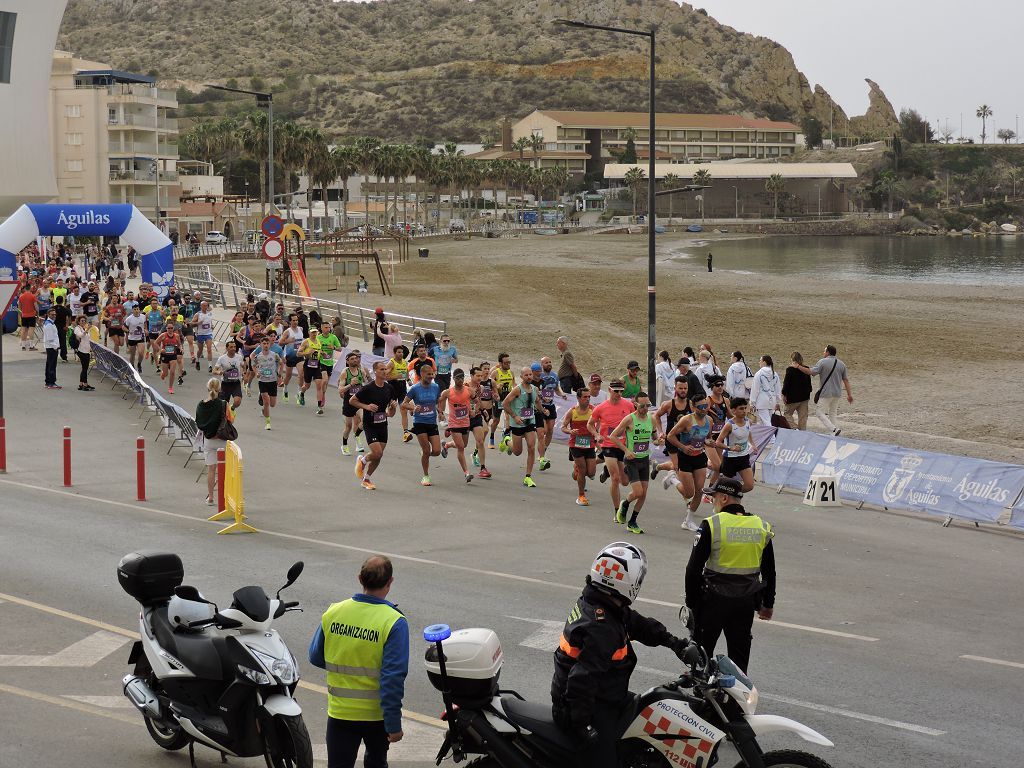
[
  {"x": 451, "y": 68},
  {"x": 880, "y": 120}
]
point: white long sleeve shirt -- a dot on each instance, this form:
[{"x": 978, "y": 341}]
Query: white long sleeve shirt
[
  {"x": 51, "y": 336},
  {"x": 767, "y": 390},
  {"x": 735, "y": 378}
]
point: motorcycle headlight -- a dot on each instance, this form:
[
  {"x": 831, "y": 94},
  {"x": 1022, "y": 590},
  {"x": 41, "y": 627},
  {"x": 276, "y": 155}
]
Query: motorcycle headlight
[
  {"x": 254, "y": 675},
  {"x": 283, "y": 669}
]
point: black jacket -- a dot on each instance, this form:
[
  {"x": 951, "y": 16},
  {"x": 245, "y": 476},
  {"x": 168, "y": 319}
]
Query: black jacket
[
  {"x": 701, "y": 583},
  {"x": 796, "y": 386},
  {"x": 596, "y": 658}
]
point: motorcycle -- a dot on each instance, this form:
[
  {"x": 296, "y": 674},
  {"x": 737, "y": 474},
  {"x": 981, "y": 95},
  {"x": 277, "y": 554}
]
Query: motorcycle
[
  {"x": 680, "y": 723},
  {"x": 222, "y": 679}
]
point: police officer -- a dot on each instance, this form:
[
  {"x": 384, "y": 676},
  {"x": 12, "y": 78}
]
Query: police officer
[
  {"x": 363, "y": 643},
  {"x": 595, "y": 657},
  {"x": 731, "y": 573}
]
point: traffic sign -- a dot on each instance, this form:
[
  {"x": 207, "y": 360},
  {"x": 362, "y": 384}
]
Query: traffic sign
[
  {"x": 272, "y": 249},
  {"x": 7, "y": 290},
  {"x": 272, "y": 226},
  {"x": 273, "y": 265}
]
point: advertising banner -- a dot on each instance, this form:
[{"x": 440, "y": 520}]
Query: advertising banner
[{"x": 894, "y": 477}]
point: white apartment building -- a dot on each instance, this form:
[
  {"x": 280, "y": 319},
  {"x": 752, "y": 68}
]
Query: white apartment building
[{"x": 113, "y": 137}]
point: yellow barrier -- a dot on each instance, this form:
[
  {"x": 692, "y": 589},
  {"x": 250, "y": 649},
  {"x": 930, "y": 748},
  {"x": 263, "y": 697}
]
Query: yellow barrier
[{"x": 234, "y": 501}]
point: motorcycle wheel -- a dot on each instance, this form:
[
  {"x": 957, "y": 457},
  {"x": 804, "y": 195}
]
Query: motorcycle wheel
[
  {"x": 790, "y": 758},
  {"x": 294, "y": 738},
  {"x": 169, "y": 736}
]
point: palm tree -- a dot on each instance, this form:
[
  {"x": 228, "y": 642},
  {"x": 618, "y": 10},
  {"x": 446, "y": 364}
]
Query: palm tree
[
  {"x": 670, "y": 182},
  {"x": 633, "y": 179},
  {"x": 451, "y": 161},
  {"x": 290, "y": 142},
  {"x": 1013, "y": 175},
  {"x": 365, "y": 157},
  {"x": 702, "y": 178},
  {"x": 888, "y": 183},
  {"x": 320, "y": 172},
  {"x": 536, "y": 145},
  {"x": 984, "y": 112},
  {"x": 521, "y": 145},
  {"x": 384, "y": 168},
  {"x": 345, "y": 160},
  {"x": 775, "y": 185},
  {"x": 252, "y": 137},
  {"x": 419, "y": 166}
]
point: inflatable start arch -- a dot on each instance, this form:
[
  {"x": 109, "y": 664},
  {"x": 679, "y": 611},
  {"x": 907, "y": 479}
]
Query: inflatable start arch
[{"x": 124, "y": 221}]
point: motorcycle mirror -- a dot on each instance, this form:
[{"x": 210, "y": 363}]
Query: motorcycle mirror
[
  {"x": 293, "y": 573},
  {"x": 686, "y": 619}
]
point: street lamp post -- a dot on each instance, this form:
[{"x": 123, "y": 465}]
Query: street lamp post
[
  {"x": 651, "y": 196},
  {"x": 261, "y": 100}
]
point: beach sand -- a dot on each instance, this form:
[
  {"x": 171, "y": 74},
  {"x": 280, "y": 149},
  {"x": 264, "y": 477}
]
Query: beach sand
[{"x": 933, "y": 367}]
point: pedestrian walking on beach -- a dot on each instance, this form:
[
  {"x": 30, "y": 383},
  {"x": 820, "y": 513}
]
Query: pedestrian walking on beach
[
  {"x": 796, "y": 393},
  {"x": 831, "y": 372},
  {"x": 709, "y": 261},
  {"x": 51, "y": 345}
]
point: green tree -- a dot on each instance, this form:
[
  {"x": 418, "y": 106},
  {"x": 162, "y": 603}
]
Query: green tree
[
  {"x": 813, "y": 130},
  {"x": 1006, "y": 135},
  {"x": 521, "y": 145},
  {"x": 345, "y": 158},
  {"x": 252, "y": 137},
  {"x": 628, "y": 155},
  {"x": 366, "y": 157},
  {"x": 316, "y": 162},
  {"x": 670, "y": 182},
  {"x": 914, "y": 128},
  {"x": 984, "y": 112},
  {"x": 536, "y": 145},
  {"x": 634, "y": 179},
  {"x": 890, "y": 185},
  {"x": 775, "y": 185},
  {"x": 452, "y": 161}
]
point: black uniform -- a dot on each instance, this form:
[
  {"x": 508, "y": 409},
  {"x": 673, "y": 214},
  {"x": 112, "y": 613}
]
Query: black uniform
[
  {"x": 727, "y": 602},
  {"x": 593, "y": 664}
]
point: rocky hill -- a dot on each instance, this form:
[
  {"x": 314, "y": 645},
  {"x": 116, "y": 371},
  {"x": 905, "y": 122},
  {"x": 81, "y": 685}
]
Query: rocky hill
[{"x": 444, "y": 69}]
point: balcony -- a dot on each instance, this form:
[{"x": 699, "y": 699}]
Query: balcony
[
  {"x": 132, "y": 121},
  {"x": 167, "y": 123},
  {"x": 133, "y": 149},
  {"x": 145, "y": 177},
  {"x": 135, "y": 92}
]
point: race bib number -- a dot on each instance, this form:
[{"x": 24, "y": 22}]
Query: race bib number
[
  {"x": 641, "y": 447},
  {"x": 547, "y": 394},
  {"x": 169, "y": 349},
  {"x": 380, "y": 417},
  {"x": 231, "y": 374},
  {"x": 266, "y": 372},
  {"x": 206, "y": 327},
  {"x": 424, "y": 410},
  {"x": 313, "y": 363},
  {"x": 115, "y": 322},
  {"x": 526, "y": 413},
  {"x": 354, "y": 390},
  {"x": 583, "y": 442},
  {"x": 739, "y": 447},
  {"x": 461, "y": 411},
  {"x": 135, "y": 333}
]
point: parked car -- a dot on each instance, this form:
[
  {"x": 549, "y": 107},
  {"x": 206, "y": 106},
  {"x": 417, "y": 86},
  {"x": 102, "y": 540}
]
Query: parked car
[
  {"x": 216, "y": 238},
  {"x": 457, "y": 225}
]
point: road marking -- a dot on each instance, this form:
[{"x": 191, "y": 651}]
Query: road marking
[
  {"x": 104, "y": 702},
  {"x": 547, "y": 635},
  {"x": 409, "y": 558},
  {"x": 899, "y": 724},
  {"x": 1000, "y": 662},
  {"x": 67, "y": 704},
  {"x": 416, "y": 716},
  {"x": 85, "y": 653}
]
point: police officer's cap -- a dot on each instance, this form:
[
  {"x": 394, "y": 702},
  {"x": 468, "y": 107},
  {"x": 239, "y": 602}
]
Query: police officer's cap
[{"x": 727, "y": 485}]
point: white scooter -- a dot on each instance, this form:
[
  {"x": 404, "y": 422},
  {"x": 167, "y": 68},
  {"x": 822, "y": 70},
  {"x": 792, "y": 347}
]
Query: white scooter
[
  {"x": 680, "y": 723},
  {"x": 223, "y": 679}
]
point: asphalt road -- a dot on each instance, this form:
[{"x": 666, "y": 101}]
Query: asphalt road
[{"x": 876, "y": 617}]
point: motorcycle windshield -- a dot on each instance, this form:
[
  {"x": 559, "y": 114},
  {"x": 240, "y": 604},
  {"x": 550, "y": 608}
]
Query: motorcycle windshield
[
  {"x": 253, "y": 602},
  {"x": 727, "y": 666}
]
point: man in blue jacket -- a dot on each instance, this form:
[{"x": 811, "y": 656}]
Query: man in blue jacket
[{"x": 363, "y": 643}]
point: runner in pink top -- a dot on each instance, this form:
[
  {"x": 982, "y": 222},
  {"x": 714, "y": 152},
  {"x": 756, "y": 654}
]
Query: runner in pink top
[
  {"x": 457, "y": 398},
  {"x": 604, "y": 419}
]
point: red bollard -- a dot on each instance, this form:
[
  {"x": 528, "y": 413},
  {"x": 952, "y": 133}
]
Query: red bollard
[
  {"x": 3, "y": 446},
  {"x": 67, "y": 457},
  {"x": 221, "y": 474},
  {"x": 140, "y": 466}
]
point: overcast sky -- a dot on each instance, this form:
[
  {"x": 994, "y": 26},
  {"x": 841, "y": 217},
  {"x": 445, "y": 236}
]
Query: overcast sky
[{"x": 940, "y": 57}]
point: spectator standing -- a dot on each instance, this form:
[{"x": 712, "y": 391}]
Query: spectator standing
[
  {"x": 740, "y": 379},
  {"x": 366, "y": 669},
  {"x": 28, "y": 305},
  {"x": 666, "y": 377},
  {"x": 51, "y": 345},
  {"x": 84, "y": 352},
  {"x": 210, "y": 414},
  {"x": 63, "y": 315},
  {"x": 392, "y": 338},
  {"x": 796, "y": 392},
  {"x": 569, "y": 378},
  {"x": 694, "y": 385},
  {"x": 766, "y": 394},
  {"x": 706, "y": 368},
  {"x": 831, "y": 372},
  {"x": 375, "y": 325}
]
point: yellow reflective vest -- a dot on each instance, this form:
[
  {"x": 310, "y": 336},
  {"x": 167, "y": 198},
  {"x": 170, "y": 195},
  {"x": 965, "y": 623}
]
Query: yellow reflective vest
[
  {"x": 737, "y": 542},
  {"x": 354, "y": 638}
]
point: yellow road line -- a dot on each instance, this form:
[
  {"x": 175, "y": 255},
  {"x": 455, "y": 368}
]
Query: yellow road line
[{"x": 68, "y": 704}]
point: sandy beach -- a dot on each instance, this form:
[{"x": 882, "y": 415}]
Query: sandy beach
[{"x": 932, "y": 366}]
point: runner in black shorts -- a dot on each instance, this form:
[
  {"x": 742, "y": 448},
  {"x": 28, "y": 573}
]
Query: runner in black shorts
[{"x": 378, "y": 403}]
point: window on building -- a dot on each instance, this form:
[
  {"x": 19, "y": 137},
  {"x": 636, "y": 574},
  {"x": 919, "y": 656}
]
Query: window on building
[
  {"x": 72, "y": 110},
  {"x": 73, "y": 139},
  {"x": 76, "y": 193},
  {"x": 7, "y": 20},
  {"x": 73, "y": 166}
]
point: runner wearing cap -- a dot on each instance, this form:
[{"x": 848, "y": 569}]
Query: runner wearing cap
[
  {"x": 689, "y": 436},
  {"x": 634, "y": 436},
  {"x": 398, "y": 378},
  {"x": 549, "y": 385},
  {"x": 605, "y": 418},
  {"x": 377, "y": 402},
  {"x": 421, "y": 402},
  {"x": 351, "y": 380},
  {"x": 720, "y": 411},
  {"x": 504, "y": 380},
  {"x": 310, "y": 351},
  {"x": 446, "y": 355},
  {"x": 632, "y": 382},
  {"x": 519, "y": 405},
  {"x": 581, "y": 444},
  {"x": 597, "y": 395},
  {"x": 478, "y": 413},
  {"x": 457, "y": 400}
]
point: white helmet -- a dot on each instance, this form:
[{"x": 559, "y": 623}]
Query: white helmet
[
  {"x": 182, "y": 611},
  {"x": 620, "y": 567}
]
